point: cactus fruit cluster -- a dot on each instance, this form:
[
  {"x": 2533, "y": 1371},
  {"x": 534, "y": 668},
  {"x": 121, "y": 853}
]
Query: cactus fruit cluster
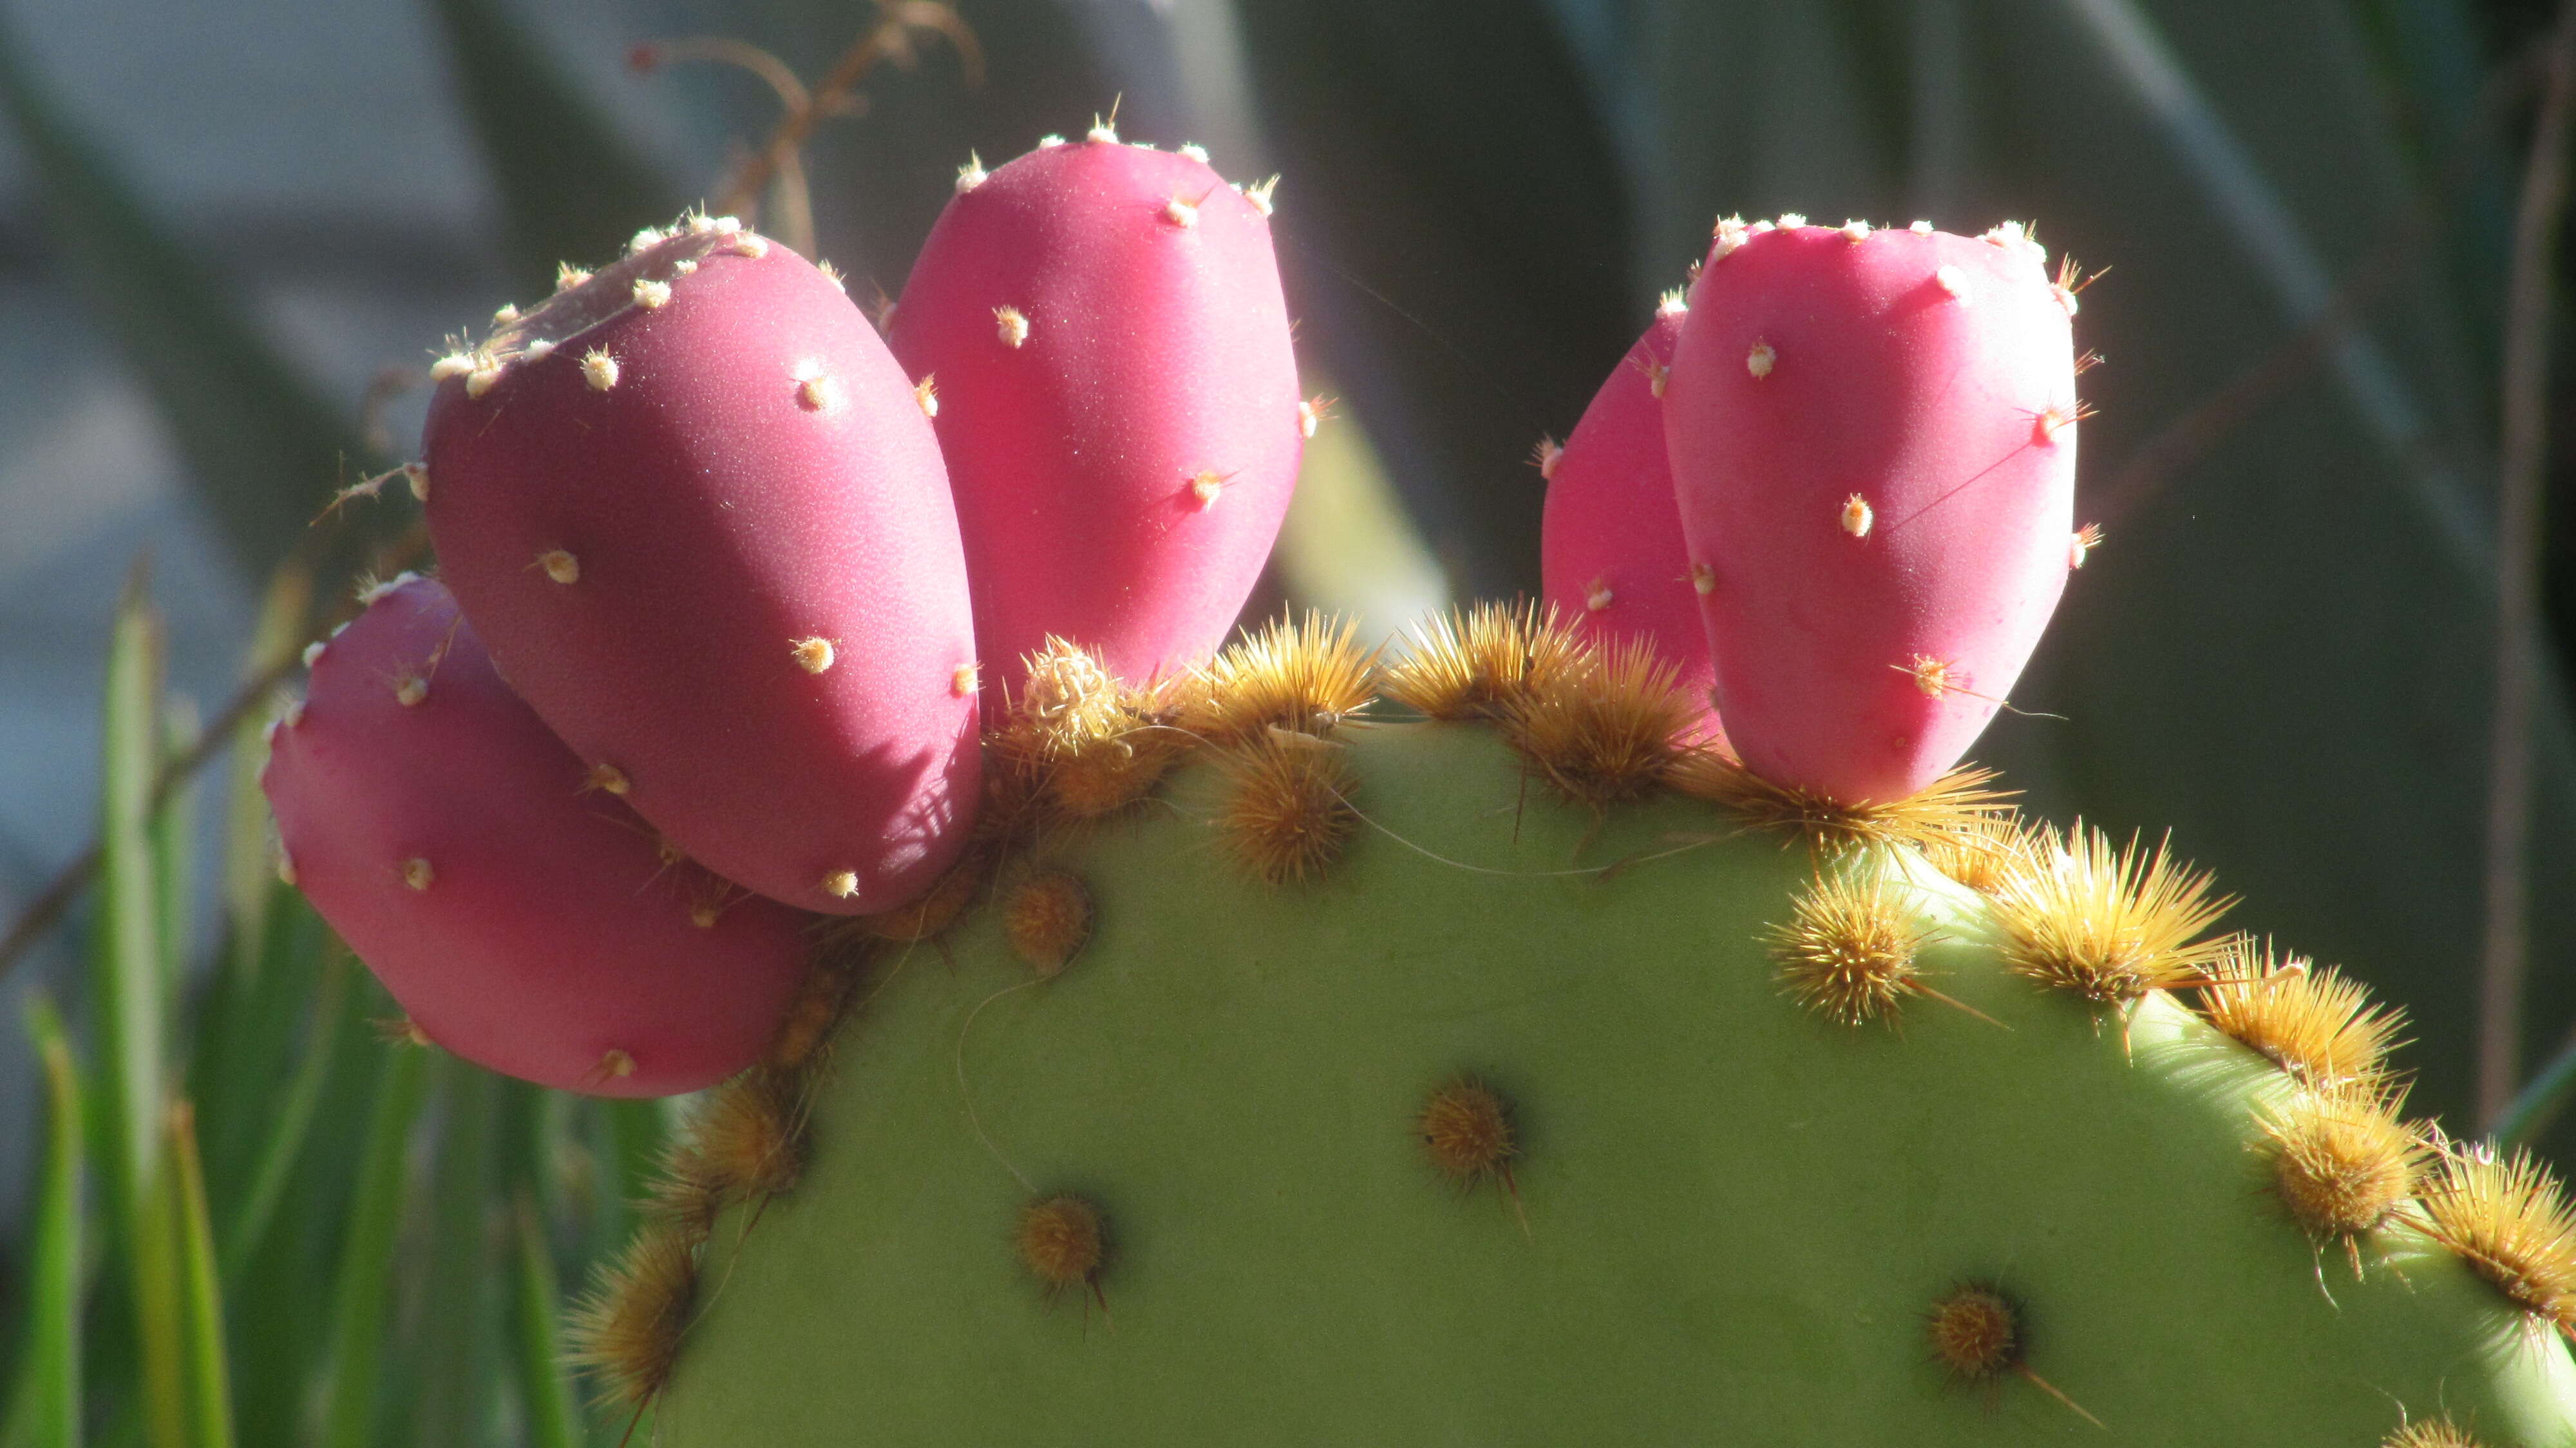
[{"x": 1610, "y": 1019}]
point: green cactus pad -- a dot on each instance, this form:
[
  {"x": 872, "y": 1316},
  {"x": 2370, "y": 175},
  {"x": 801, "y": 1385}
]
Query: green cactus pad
[{"x": 1726, "y": 1223}]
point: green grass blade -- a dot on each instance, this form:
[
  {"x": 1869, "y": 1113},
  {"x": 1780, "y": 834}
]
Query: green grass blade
[
  {"x": 160, "y": 1303},
  {"x": 248, "y": 867},
  {"x": 210, "y": 1392},
  {"x": 228, "y": 1077},
  {"x": 51, "y": 1387},
  {"x": 127, "y": 997},
  {"x": 459, "y": 1309},
  {"x": 571, "y": 185},
  {"x": 363, "y": 1295},
  {"x": 633, "y": 1132},
  {"x": 125, "y": 994},
  {"x": 262, "y": 446},
  {"x": 288, "y": 1127},
  {"x": 249, "y": 1023},
  {"x": 174, "y": 843},
  {"x": 282, "y": 1298},
  {"x": 545, "y": 1392}
]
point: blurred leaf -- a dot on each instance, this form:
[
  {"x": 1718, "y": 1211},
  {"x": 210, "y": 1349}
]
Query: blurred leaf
[
  {"x": 572, "y": 187},
  {"x": 2439, "y": 94},
  {"x": 288, "y": 1125},
  {"x": 174, "y": 844},
  {"x": 459, "y": 1315},
  {"x": 298, "y": 1265},
  {"x": 1347, "y": 546},
  {"x": 362, "y": 1298},
  {"x": 247, "y": 1025},
  {"x": 1454, "y": 229},
  {"x": 249, "y": 872},
  {"x": 263, "y": 448},
  {"x": 545, "y": 1392},
  {"x": 633, "y": 1132},
  {"x": 127, "y": 998},
  {"x": 52, "y": 1381},
  {"x": 2256, "y": 218},
  {"x": 160, "y": 1306},
  {"x": 126, "y": 989},
  {"x": 210, "y": 1395}
]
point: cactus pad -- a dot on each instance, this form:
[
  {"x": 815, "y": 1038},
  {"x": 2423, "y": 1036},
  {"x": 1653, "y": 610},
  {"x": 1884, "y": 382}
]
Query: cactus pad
[{"x": 1522, "y": 1117}]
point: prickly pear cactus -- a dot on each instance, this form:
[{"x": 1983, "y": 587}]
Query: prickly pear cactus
[{"x": 1622, "y": 1021}]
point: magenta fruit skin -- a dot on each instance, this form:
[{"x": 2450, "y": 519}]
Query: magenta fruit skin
[
  {"x": 524, "y": 920},
  {"x": 1121, "y": 469},
  {"x": 661, "y": 547},
  {"x": 1860, "y": 649},
  {"x": 1611, "y": 557}
]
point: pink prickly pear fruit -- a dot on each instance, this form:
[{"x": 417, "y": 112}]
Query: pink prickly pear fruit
[
  {"x": 698, "y": 514},
  {"x": 1610, "y": 542},
  {"x": 524, "y": 917},
  {"x": 1872, "y": 436},
  {"x": 1117, "y": 399}
]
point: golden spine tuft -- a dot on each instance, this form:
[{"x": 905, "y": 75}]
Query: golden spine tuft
[
  {"x": 2109, "y": 924},
  {"x": 1064, "y": 1242},
  {"x": 683, "y": 1192},
  {"x": 1982, "y": 852},
  {"x": 2438, "y": 1432},
  {"x": 2310, "y": 1021},
  {"x": 1848, "y": 950},
  {"x": 1079, "y": 741},
  {"x": 812, "y": 1015},
  {"x": 750, "y": 1136},
  {"x": 1607, "y": 730},
  {"x": 1958, "y": 803},
  {"x": 1466, "y": 1128},
  {"x": 1480, "y": 662},
  {"x": 1287, "y": 813},
  {"x": 1047, "y": 918},
  {"x": 1301, "y": 674},
  {"x": 2509, "y": 1220},
  {"x": 2343, "y": 1164},
  {"x": 627, "y": 1332}
]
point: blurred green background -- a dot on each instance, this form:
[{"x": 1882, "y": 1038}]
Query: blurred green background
[{"x": 221, "y": 223}]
